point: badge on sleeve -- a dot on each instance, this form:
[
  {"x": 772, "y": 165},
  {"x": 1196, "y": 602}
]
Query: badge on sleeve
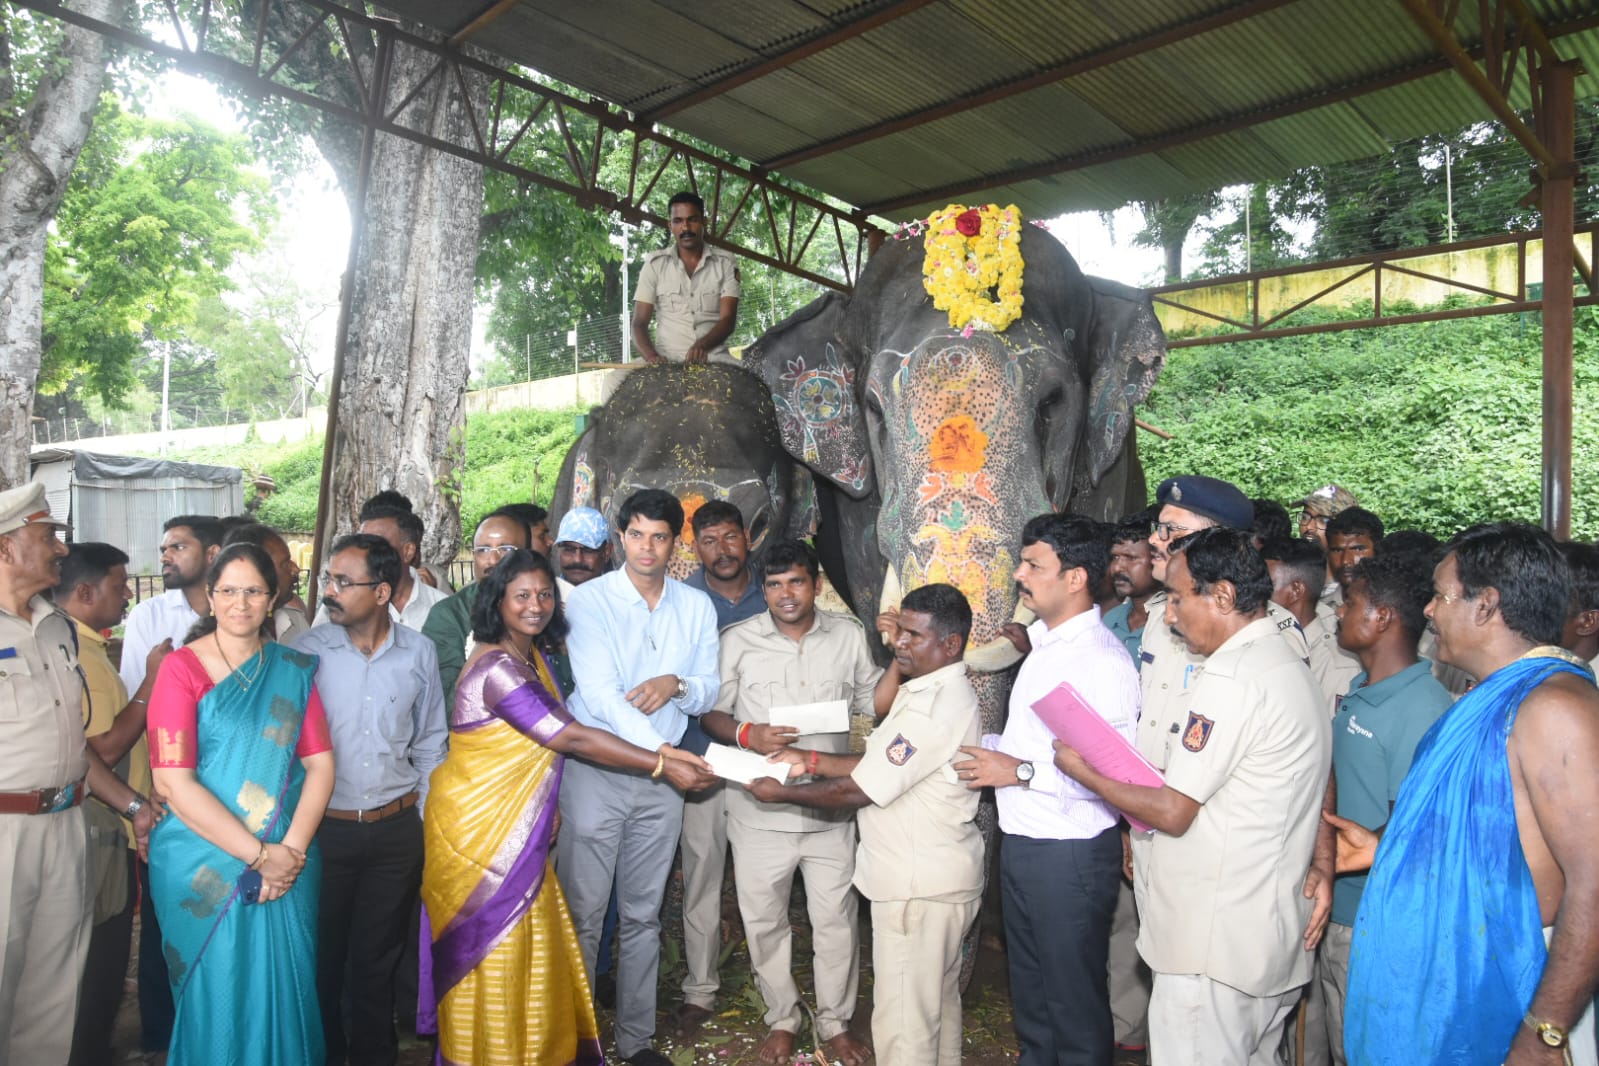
[
  {"x": 900, "y": 751},
  {"x": 1197, "y": 732}
]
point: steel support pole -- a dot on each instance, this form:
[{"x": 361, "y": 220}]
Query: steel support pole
[
  {"x": 341, "y": 340},
  {"x": 1558, "y": 134}
]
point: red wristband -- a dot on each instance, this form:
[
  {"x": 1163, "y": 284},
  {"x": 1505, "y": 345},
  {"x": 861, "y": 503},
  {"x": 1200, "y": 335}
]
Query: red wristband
[
  {"x": 742, "y": 736},
  {"x": 814, "y": 761}
]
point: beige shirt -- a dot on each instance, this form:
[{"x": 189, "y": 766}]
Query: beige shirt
[
  {"x": 1333, "y": 667},
  {"x": 687, "y": 307},
  {"x": 1225, "y": 900},
  {"x": 762, "y": 669},
  {"x": 1167, "y": 670},
  {"x": 41, "y": 700},
  {"x": 105, "y": 697},
  {"x": 919, "y": 839}
]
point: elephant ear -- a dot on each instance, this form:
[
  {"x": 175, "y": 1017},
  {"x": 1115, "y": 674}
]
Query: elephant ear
[
  {"x": 1126, "y": 349},
  {"x": 811, "y": 372},
  {"x": 583, "y": 475}
]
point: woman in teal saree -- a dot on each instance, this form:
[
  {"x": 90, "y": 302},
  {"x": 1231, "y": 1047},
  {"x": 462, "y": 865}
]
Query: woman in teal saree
[{"x": 239, "y": 746}]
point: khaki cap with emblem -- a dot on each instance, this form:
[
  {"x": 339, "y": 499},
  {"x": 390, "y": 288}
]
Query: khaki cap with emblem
[
  {"x": 26, "y": 505},
  {"x": 1327, "y": 501}
]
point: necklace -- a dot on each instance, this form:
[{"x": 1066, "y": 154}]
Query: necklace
[
  {"x": 512, "y": 648},
  {"x": 245, "y": 681}
]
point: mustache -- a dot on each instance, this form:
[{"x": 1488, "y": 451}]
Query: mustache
[{"x": 332, "y": 604}]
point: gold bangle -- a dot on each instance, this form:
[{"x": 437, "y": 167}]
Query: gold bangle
[{"x": 660, "y": 766}]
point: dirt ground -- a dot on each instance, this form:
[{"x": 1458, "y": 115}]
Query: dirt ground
[{"x": 731, "y": 1038}]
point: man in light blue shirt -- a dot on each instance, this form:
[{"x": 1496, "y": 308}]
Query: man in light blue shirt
[
  {"x": 643, "y": 650},
  {"x": 379, "y": 685}
]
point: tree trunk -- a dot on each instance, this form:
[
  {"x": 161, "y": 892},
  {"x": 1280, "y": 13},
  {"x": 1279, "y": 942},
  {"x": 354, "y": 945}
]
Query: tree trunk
[
  {"x": 41, "y": 148},
  {"x": 401, "y": 416}
]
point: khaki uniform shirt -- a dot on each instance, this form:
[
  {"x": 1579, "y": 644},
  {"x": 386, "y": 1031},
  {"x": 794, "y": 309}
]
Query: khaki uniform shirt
[
  {"x": 687, "y": 307},
  {"x": 1333, "y": 667},
  {"x": 762, "y": 669},
  {"x": 104, "y": 697},
  {"x": 919, "y": 839},
  {"x": 1167, "y": 669},
  {"x": 1225, "y": 899},
  {"x": 41, "y": 700}
]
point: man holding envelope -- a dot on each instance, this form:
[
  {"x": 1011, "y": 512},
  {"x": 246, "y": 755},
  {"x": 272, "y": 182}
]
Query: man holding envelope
[
  {"x": 1061, "y": 862},
  {"x": 792, "y": 676}
]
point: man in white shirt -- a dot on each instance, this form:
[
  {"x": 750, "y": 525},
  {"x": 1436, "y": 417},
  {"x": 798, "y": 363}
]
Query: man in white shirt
[
  {"x": 414, "y": 597},
  {"x": 1060, "y": 864},
  {"x": 188, "y": 545}
]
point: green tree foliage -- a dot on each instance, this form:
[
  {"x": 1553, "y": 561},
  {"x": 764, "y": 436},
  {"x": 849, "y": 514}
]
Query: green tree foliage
[
  {"x": 1433, "y": 426},
  {"x": 155, "y": 214}
]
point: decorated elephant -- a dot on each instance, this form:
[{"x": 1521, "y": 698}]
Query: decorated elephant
[
  {"x": 702, "y": 432},
  {"x": 933, "y": 444}
]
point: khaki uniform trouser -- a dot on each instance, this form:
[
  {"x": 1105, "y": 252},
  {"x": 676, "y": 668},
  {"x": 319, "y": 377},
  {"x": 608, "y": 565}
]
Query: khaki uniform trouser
[
  {"x": 764, "y": 863},
  {"x": 704, "y": 848},
  {"x": 916, "y": 967},
  {"x": 1129, "y": 976},
  {"x": 1195, "y": 1021},
  {"x": 45, "y": 919}
]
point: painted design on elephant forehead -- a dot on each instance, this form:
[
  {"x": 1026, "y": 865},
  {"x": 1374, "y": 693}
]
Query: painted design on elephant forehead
[
  {"x": 973, "y": 486},
  {"x": 959, "y": 446}
]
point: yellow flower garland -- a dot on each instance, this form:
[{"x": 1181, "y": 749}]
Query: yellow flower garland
[{"x": 958, "y": 270}]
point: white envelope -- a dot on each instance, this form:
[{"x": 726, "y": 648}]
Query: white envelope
[
  {"x": 735, "y": 764},
  {"x": 829, "y": 716}
]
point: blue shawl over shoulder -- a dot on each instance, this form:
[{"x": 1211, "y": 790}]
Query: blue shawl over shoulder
[{"x": 1448, "y": 946}]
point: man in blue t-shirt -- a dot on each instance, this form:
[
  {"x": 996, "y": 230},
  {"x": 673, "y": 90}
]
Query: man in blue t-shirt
[
  {"x": 1132, "y": 576},
  {"x": 1389, "y": 708}
]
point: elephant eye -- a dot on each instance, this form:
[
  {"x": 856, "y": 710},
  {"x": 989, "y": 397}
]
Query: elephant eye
[{"x": 873, "y": 405}]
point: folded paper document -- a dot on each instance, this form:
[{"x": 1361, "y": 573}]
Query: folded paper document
[
  {"x": 829, "y": 716},
  {"x": 743, "y": 766}
]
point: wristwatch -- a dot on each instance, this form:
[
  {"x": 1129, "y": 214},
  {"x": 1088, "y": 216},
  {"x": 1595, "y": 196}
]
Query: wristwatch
[
  {"x": 1024, "y": 773},
  {"x": 682, "y": 690},
  {"x": 1548, "y": 1032},
  {"x": 135, "y": 805}
]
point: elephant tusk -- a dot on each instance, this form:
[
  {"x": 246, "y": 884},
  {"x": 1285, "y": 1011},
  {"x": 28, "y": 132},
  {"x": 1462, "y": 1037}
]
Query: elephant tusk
[{"x": 888, "y": 599}]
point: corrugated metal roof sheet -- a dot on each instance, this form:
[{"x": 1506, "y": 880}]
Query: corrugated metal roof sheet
[{"x": 1230, "y": 83}]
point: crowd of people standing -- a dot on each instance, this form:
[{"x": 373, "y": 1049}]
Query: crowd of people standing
[{"x": 459, "y": 810}]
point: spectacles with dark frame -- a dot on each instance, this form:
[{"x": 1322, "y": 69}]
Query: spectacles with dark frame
[
  {"x": 340, "y": 582},
  {"x": 1168, "y": 530}
]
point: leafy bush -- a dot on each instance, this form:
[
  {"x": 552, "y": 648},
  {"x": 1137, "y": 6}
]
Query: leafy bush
[{"x": 1433, "y": 426}]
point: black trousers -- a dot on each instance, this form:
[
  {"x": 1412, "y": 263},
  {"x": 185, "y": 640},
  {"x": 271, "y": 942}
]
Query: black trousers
[
  {"x": 371, "y": 874},
  {"x": 105, "y": 970},
  {"x": 1060, "y": 898}
]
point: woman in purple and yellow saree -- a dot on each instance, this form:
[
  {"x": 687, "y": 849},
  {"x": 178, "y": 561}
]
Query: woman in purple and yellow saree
[{"x": 506, "y": 971}]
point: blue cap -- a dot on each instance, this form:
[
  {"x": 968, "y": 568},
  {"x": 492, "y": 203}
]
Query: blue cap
[
  {"x": 1218, "y": 500},
  {"x": 585, "y": 526}
]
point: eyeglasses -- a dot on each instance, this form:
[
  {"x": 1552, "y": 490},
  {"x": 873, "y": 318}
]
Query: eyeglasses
[
  {"x": 1313, "y": 519},
  {"x": 340, "y": 582},
  {"x": 483, "y": 551},
  {"x": 248, "y": 595},
  {"x": 1167, "y": 530}
]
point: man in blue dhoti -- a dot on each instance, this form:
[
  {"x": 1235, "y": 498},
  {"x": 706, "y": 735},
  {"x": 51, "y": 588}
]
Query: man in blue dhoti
[{"x": 1477, "y": 939}]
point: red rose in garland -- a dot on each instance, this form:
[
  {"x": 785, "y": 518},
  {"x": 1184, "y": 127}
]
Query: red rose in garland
[{"x": 969, "y": 223}]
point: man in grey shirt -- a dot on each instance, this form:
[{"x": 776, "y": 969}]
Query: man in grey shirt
[{"x": 379, "y": 684}]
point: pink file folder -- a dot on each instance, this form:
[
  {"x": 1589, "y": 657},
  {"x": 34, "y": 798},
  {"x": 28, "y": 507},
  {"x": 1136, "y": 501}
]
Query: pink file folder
[{"x": 1079, "y": 726}]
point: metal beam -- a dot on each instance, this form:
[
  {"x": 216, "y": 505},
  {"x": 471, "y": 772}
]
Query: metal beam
[
  {"x": 575, "y": 170},
  {"x": 1557, "y": 132},
  {"x": 1175, "y": 138},
  {"x": 1437, "y": 25},
  {"x": 471, "y": 29},
  {"x": 1329, "y": 278},
  {"x": 759, "y": 68},
  {"x": 1182, "y": 30}
]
